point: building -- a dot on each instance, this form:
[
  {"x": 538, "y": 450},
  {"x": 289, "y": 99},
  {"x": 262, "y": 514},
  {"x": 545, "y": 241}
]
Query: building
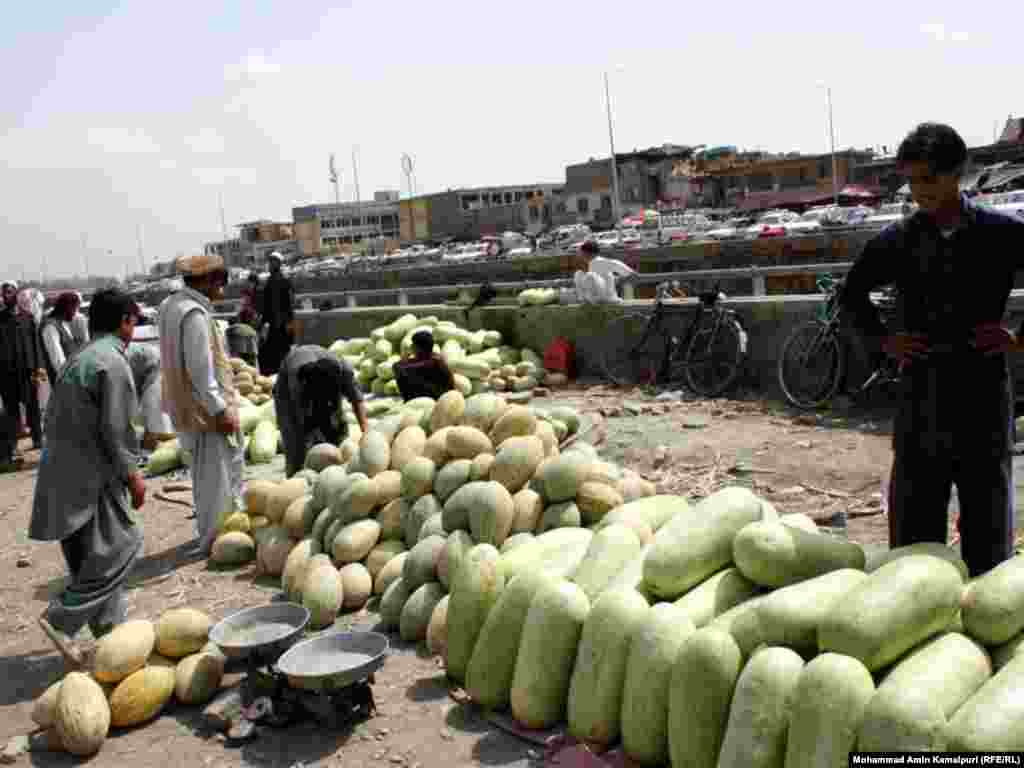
[
  {"x": 230, "y": 250},
  {"x": 649, "y": 178},
  {"x": 1013, "y": 132},
  {"x": 469, "y": 214},
  {"x": 756, "y": 181},
  {"x": 347, "y": 227}
]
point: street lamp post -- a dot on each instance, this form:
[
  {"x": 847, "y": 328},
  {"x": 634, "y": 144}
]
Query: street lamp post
[
  {"x": 611, "y": 144},
  {"x": 832, "y": 142}
]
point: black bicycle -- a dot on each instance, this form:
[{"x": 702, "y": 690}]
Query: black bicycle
[
  {"x": 653, "y": 348},
  {"x": 812, "y": 362}
]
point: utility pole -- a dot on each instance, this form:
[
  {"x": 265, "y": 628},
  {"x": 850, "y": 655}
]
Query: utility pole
[
  {"x": 832, "y": 140},
  {"x": 142, "y": 259},
  {"x": 611, "y": 145},
  {"x": 223, "y": 220},
  {"x": 358, "y": 200},
  {"x": 334, "y": 181}
]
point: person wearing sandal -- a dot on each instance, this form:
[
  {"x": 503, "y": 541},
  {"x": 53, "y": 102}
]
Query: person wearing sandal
[{"x": 89, "y": 481}]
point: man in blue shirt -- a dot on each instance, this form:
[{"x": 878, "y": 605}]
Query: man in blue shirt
[{"x": 953, "y": 264}]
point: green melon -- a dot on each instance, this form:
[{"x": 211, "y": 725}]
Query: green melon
[{"x": 475, "y": 588}]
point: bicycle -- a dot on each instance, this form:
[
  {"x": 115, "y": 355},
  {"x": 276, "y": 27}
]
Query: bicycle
[
  {"x": 710, "y": 354},
  {"x": 813, "y": 359}
]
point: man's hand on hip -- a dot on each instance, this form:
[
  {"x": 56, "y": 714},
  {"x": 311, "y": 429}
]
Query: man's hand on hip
[
  {"x": 906, "y": 347},
  {"x": 993, "y": 338},
  {"x": 137, "y": 488}
]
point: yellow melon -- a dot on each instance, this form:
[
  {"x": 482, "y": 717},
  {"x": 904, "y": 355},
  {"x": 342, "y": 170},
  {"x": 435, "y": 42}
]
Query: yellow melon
[
  {"x": 182, "y": 631},
  {"x": 124, "y": 650},
  {"x": 142, "y": 695},
  {"x": 197, "y": 678},
  {"x": 82, "y": 715}
]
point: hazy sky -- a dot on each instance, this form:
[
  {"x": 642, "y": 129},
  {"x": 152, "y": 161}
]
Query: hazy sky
[{"x": 120, "y": 116}]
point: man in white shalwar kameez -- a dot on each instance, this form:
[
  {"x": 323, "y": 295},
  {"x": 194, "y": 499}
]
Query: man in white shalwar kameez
[
  {"x": 199, "y": 393},
  {"x": 597, "y": 284}
]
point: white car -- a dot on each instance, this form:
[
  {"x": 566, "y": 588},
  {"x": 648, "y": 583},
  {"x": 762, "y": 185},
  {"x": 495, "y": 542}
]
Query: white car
[
  {"x": 774, "y": 222},
  {"x": 811, "y": 221},
  {"x": 609, "y": 240},
  {"x": 518, "y": 253},
  {"x": 890, "y": 212},
  {"x": 728, "y": 230}
]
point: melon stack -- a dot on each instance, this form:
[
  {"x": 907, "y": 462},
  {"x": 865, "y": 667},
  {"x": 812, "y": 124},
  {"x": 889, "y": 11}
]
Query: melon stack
[
  {"x": 396, "y": 511},
  {"x": 479, "y": 361},
  {"x": 724, "y": 634},
  {"x": 139, "y": 667}
]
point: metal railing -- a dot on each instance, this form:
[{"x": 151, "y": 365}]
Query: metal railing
[{"x": 402, "y": 294}]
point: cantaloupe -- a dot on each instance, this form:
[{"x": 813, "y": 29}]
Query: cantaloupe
[
  {"x": 436, "y": 447},
  {"x": 481, "y": 469},
  {"x": 467, "y": 443},
  {"x": 392, "y": 602},
  {"x": 391, "y": 571},
  {"x": 448, "y": 411},
  {"x": 528, "y": 507},
  {"x": 295, "y": 568},
  {"x": 356, "y": 586},
  {"x": 124, "y": 650},
  {"x": 564, "y": 514},
  {"x": 417, "y": 611},
  {"x": 282, "y": 495},
  {"x": 389, "y": 487},
  {"x": 233, "y": 549},
  {"x": 197, "y": 678},
  {"x": 181, "y": 631},
  {"x": 421, "y": 565},
  {"x": 322, "y": 594},
  {"x": 237, "y": 521},
  {"x": 82, "y": 716},
  {"x": 390, "y": 518},
  {"x": 256, "y": 495},
  {"x": 374, "y": 453},
  {"x": 516, "y": 421},
  {"x": 562, "y": 476},
  {"x": 321, "y": 456},
  {"x": 451, "y": 477},
  {"x": 407, "y": 446},
  {"x": 596, "y": 500},
  {"x": 418, "y": 477},
  {"x": 355, "y": 541},
  {"x": 416, "y": 516},
  {"x": 299, "y": 517},
  {"x": 456, "y": 546},
  {"x": 273, "y": 549},
  {"x": 516, "y": 461},
  {"x": 142, "y": 695},
  {"x": 381, "y": 554}
]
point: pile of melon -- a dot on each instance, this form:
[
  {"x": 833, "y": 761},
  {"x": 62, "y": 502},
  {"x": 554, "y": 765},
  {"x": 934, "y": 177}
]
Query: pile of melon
[
  {"x": 139, "y": 668},
  {"x": 393, "y": 512},
  {"x": 736, "y": 636},
  {"x": 249, "y": 384},
  {"x": 479, "y": 360}
]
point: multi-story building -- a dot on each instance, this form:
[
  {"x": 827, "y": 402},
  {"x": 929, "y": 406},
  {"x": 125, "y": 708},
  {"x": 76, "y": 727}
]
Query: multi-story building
[
  {"x": 232, "y": 251},
  {"x": 255, "y": 242},
  {"x": 756, "y": 180},
  {"x": 347, "y": 227},
  {"x": 473, "y": 213},
  {"x": 649, "y": 178}
]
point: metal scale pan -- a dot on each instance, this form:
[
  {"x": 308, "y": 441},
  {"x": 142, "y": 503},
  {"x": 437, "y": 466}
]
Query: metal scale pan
[{"x": 334, "y": 661}]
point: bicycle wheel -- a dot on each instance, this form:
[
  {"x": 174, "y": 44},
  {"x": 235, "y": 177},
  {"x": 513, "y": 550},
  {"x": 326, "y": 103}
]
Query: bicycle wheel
[
  {"x": 715, "y": 355},
  {"x": 811, "y": 365},
  {"x": 634, "y": 352}
]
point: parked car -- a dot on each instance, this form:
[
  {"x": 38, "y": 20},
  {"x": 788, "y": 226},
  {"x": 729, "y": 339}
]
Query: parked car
[
  {"x": 609, "y": 239},
  {"x": 771, "y": 224},
  {"x": 890, "y": 212},
  {"x": 1005, "y": 202},
  {"x": 810, "y": 221},
  {"x": 729, "y": 230}
]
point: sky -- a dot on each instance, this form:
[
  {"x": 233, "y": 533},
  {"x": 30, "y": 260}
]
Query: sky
[{"x": 124, "y": 126}]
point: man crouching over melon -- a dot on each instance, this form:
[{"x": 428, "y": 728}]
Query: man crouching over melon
[
  {"x": 89, "y": 475},
  {"x": 307, "y": 399}
]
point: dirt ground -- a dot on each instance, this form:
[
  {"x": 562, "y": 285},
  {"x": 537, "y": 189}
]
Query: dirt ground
[{"x": 820, "y": 464}]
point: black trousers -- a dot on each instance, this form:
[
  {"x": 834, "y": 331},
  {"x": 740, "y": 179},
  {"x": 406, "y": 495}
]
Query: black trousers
[
  {"x": 274, "y": 350},
  {"x": 8, "y": 419},
  {"x": 919, "y": 493}
]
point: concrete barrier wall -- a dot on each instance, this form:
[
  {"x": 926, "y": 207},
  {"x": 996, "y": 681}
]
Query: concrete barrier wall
[{"x": 768, "y": 320}]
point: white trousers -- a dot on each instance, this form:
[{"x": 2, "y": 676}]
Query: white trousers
[
  {"x": 217, "y": 468},
  {"x": 153, "y": 417}
]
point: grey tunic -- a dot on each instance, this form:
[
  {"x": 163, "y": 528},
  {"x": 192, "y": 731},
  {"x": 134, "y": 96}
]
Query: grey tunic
[{"x": 81, "y": 496}]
